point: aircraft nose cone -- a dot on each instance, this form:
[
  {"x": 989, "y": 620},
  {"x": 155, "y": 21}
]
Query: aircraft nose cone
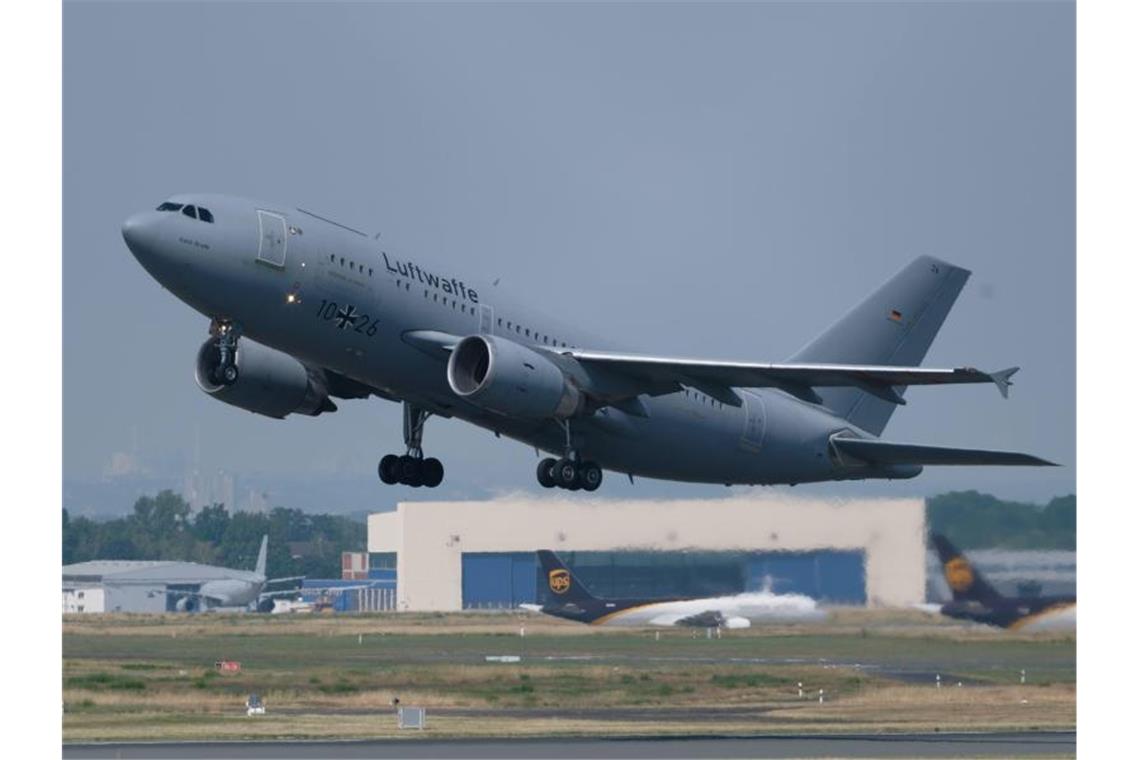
[
  {"x": 137, "y": 234},
  {"x": 141, "y": 234}
]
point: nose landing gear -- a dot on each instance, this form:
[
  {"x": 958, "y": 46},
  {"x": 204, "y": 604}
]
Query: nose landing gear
[
  {"x": 569, "y": 472},
  {"x": 227, "y": 334},
  {"x": 412, "y": 469}
]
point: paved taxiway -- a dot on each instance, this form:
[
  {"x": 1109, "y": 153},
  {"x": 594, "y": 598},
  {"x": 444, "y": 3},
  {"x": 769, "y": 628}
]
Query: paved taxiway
[{"x": 1019, "y": 744}]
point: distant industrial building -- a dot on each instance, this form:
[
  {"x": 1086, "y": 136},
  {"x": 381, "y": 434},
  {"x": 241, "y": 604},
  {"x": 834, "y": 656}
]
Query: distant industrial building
[
  {"x": 362, "y": 587},
  {"x": 480, "y": 555}
]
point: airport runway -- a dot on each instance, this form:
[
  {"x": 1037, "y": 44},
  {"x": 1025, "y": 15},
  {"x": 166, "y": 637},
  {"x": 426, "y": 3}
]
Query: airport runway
[{"x": 1022, "y": 744}]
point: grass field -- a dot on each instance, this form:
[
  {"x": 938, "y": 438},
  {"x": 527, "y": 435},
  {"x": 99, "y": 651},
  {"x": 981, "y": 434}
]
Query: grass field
[{"x": 152, "y": 677}]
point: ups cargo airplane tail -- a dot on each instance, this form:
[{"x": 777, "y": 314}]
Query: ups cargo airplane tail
[
  {"x": 568, "y": 598},
  {"x": 974, "y": 599},
  {"x": 304, "y": 310}
]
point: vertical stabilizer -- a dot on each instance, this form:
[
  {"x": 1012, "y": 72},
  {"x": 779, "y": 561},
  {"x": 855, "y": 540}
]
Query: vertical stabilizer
[
  {"x": 893, "y": 326},
  {"x": 259, "y": 568},
  {"x": 558, "y": 584},
  {"x": 966, "y": 583}
]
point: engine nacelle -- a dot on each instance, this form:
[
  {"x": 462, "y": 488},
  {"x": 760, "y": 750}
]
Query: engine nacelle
[
  {"x": 270, "y": 382},
  {"x": 505, "y": 377},
  {"x": 187, "y": 604}
]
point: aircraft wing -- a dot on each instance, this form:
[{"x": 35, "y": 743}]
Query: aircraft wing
[
  {"x": 287, "y": 579},
  {"x": 658, "y": 375},
  {"x": 286, "y": 592},
  {"x": 618, "y": 377},
  {"x": 886, "y": 452}
]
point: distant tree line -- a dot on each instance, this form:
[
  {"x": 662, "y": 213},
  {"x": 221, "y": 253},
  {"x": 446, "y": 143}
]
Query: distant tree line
[
  {"x": 163, "y": 527},
  {"x": 975, "y": 520}
]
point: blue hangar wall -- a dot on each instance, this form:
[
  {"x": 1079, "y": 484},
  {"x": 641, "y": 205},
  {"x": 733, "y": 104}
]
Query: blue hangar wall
[{"x": 501, "y": 580}]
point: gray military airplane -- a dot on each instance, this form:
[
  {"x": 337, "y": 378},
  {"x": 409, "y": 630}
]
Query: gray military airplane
[
  {"x": 238, "y": 589},
  {"x": 304, "y": 309}
]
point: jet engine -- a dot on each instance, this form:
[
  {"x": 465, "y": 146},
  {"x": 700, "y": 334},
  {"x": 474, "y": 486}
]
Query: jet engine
[
  {"x": 270, "y": 382},
  {"x": 510, "y": 379},
  {"x": 187, "y": 604}
]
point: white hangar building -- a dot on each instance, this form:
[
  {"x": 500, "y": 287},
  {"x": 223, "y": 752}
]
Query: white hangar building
[{"x": 480, "y": 554}]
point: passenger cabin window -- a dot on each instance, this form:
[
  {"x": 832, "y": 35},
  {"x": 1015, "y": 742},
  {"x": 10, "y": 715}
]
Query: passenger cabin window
[
  {"x": 189, "y": 211},
  {"x": 168, "y": 206},
  {"x": 205, "y": 215}
]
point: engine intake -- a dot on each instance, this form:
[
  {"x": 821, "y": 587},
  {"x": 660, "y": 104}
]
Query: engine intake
[
  {"x": 510, "y": 379},
  {"x": 270, "y": 382}
]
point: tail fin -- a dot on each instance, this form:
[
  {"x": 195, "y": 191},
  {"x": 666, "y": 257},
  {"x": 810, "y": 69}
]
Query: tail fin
[
  {"x": 559, "y": 581},
  {"x": 893, "y": 326},
  {"x": 965, "y": 582},
  {"x": 259, "y": 568}
]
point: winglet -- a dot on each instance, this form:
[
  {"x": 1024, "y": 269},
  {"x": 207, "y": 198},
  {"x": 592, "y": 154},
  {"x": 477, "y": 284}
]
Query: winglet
[{"x": 1001, "y": 380}]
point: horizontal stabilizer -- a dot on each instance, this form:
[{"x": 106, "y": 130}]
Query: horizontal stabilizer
[{"x": 885, "y": 452}]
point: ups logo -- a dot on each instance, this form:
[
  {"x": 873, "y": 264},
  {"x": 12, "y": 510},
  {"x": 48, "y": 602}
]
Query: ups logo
[
  {"x": 559, "y": 581},
  {"x": 959, "y": 574}
]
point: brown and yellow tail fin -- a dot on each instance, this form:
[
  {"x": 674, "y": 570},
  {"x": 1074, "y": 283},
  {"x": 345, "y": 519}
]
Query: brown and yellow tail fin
[{"x": 965, "y": 582}]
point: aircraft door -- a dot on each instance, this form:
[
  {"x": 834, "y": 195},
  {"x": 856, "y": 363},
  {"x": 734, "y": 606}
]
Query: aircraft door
[
  {"x": 272, "y": 238},
  {"x": 486, "y": 319},
  {"x": 752, "y": 436}
]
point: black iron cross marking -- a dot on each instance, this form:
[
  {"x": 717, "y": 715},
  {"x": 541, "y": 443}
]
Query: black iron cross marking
[{"x": 346, "y": 316}]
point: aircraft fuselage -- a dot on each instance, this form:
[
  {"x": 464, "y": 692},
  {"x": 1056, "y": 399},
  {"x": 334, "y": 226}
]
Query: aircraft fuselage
[{"x": 337, "y": 299}]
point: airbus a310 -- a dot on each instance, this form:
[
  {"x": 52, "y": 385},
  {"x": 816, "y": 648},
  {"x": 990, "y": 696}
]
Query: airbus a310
[{"x": 303, "y": 310}]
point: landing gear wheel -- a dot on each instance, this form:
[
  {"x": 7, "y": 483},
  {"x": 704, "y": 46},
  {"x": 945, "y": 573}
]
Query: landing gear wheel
[
  {"x": 431, "y": 472},
  {"x": 410, "y": 471},
  {"x": 389, "y": 469},
  {"x": 590, "y": 476},
  {"x": 225, "y": 374},
  {"x": 546, "y": 473},
  {"x": 566, "y": 473}
]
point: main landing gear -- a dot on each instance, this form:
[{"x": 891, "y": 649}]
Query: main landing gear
[
  {"x": 569, "y": 472},
  {"x": 412, "y": 469},
  {"x": 226, "y": 334}
]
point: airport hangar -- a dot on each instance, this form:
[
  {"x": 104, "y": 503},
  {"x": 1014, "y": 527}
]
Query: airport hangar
[{"x": 480, "y": 555}]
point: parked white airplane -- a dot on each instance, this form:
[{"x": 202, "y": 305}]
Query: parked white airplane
[{"x": 574, "y": 602}]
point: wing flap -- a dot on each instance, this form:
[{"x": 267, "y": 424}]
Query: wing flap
[{"x": 886, "y": 452}]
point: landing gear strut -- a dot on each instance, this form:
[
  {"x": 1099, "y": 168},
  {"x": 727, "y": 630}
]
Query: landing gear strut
[
  {"x": 227, "y": 334},
  {"x": 569, "y": 472},
  {"x": 412, "y": 469}
]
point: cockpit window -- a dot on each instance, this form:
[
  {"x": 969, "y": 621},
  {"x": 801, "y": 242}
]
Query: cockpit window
[
  {"x": 189, "y": 211},
  {"x": 168, "y": 206},
  {"x": 205, "y": 215}
]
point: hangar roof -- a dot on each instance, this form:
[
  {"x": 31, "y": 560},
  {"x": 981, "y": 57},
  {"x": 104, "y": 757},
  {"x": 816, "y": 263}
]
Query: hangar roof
[{"x": 135, "y": 571}]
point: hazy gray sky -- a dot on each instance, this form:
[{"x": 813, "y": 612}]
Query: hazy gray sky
[{"x": 719, "y": 181}]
